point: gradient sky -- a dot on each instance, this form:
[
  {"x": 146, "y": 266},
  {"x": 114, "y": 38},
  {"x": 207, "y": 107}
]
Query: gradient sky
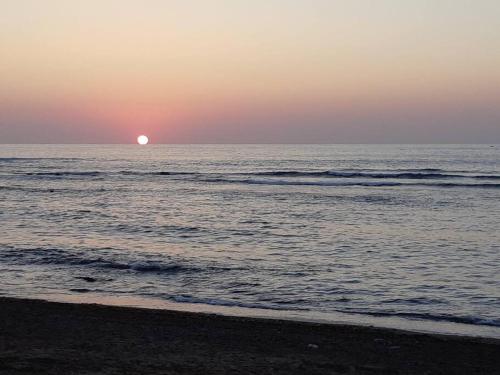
[{"x": 234, "y": 71}]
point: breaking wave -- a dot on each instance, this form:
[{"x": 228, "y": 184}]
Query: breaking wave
[
  {"x": 418, "y": 175},
  {"x": 421, "y": 174},
  {"x": 351, "y": 183}
]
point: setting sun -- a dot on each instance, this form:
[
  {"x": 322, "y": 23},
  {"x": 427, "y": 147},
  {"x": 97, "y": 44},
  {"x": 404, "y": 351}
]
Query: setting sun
[{"x": 142, "y": 140}]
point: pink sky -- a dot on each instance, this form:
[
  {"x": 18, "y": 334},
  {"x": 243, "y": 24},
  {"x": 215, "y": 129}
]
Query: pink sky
[{"x": 250, "y": 72}]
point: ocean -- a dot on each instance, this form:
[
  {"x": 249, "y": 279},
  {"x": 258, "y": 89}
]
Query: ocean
[{"x": 398, "y": 235}]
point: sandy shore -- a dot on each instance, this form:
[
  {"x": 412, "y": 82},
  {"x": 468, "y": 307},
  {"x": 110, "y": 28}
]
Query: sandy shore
[{"x": 39, "y": 337}]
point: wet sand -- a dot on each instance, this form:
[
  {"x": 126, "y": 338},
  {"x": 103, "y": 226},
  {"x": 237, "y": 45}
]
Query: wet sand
[{"x": 38, "y": 337}]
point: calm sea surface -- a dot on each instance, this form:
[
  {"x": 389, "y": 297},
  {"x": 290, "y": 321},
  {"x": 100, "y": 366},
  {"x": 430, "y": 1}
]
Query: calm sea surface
[{"x": 402, "y": 231}]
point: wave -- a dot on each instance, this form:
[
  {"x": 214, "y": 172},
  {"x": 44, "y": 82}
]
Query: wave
[
  {"x": 66, "y": 173},
  {"x": 421, "y": 174},
  {"x": 306, "y": 183},
  {"x": 11, "y": 160},
  {"x": 228, "y": 303},
  {"x": 15, "y": 159},
  {"x": 343, "y": 179},
  {"x": 473, "y": 320},
  {"x": 166, "y": 173},
  {"x": 92, "y": 259},
  {"x": 51, "y": 190},
  {"x": 103, "y": 173},
  {"x": 351, "y": 183},
  {"x": 415, "y": 300},
  {"x": 112, "y": 260},
  {"x": 414, "y": 174}
]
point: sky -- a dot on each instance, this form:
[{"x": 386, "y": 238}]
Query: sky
[{"x": 240, "y": 71}]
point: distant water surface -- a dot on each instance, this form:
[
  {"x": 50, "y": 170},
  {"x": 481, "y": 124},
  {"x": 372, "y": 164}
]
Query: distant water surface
[{"x": 399, "y": 231}]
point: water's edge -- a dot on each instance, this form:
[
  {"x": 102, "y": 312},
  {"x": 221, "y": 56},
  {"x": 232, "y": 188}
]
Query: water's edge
[{"x": 335, "y": 318}]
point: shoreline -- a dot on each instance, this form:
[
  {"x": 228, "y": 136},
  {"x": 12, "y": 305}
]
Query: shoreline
[
  {"x": 45, "y": 337},
  {"x": 335, "y": 318}
]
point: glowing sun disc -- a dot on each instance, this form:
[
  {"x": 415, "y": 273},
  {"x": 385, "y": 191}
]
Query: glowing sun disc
[{"x": 142, "y": 140}]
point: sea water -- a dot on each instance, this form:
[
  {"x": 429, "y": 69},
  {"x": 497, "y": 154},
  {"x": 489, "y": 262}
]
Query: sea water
[{"x": 405, "y": 231}]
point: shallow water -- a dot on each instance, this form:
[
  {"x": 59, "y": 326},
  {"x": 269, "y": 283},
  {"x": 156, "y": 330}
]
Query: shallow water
[{"x": 402, "y": 231}]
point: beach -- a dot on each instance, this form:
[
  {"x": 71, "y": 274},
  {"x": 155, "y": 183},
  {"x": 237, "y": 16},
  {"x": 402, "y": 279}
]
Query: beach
[
  {"x": 250, "y": 187},
  {"x": 38, "y": 337},
  {"x": 253, "y": 259}
]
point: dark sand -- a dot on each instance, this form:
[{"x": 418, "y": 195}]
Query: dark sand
[{"x": 39, "y": 337}]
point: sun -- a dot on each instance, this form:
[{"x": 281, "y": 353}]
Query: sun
[{"x": 142, "y": 140}]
